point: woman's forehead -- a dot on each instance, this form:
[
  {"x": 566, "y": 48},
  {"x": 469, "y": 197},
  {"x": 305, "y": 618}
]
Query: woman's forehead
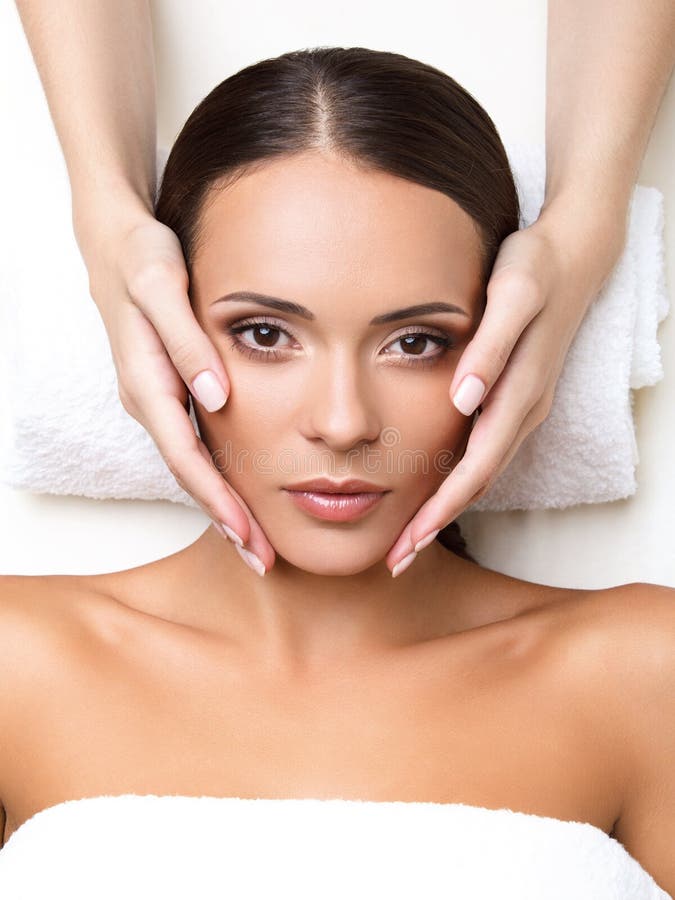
[{"x": 310, "y": 221}]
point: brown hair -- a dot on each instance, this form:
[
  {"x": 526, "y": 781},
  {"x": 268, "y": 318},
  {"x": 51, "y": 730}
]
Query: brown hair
[{"x": 381, "y": 110}]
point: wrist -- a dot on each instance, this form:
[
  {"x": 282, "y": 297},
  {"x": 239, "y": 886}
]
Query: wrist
[
  {"x": 589, "y": 228},
  {"x": 588, "y": 202},
  {"x": 106, "y": 212}
]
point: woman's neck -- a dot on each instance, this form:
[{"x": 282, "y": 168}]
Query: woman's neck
[{"x": 299, "y": 620}]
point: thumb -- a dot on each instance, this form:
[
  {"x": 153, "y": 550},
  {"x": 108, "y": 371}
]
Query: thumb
[
  {"x": 512, "y": 303},
  {"x": 165, "y": 302}
]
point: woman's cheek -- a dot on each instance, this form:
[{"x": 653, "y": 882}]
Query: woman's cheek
[{"x": 427, "y": 448}]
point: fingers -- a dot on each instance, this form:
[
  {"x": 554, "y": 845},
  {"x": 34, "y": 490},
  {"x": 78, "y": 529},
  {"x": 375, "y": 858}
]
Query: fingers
[
  {"x": 158, "y": 347},
  {"x": 511, "y": 413},
  {"x": 406, "y": 548},
  {"x": 258, "y": 543},
  {"x": 160, "y": 292},
  {"x": 493, "y": 441},
  {"x": 151, "y": 392},
  {"x": 513, "y": 302},
  {"x": 175, "y": 437}
]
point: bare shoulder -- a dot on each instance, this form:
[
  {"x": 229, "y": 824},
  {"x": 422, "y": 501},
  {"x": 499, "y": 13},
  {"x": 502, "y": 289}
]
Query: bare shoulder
[
  {"x": 26, "y": 618},
  {"x": 45, "y": 619},
  {"x": 37, "y": 615},
  {"x": 624, "y": 639},
  {"x": 637, "y": 621},
  {"x": 634, "y": 634},
  {"x": 39, "y": 603},
  {"x": 47, "y": 629},
  {"x": 26, "y": 631},
  {"x": 639, "y": 615}
]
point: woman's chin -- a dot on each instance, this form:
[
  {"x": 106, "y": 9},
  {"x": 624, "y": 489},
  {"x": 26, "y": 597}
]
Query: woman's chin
[
  {"x": 328, "y": 555},
  {"x": 327, "y": 547},
  {"x": 333, "y": 566}
]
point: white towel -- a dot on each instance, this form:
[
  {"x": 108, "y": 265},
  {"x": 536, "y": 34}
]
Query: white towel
[
  {"x": 66, "y": 432},
  {"x": 586, "y": 449},
  {"x": 133, "y": 846}
]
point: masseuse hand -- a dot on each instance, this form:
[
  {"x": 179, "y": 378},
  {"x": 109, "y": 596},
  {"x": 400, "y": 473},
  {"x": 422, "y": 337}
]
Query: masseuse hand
[
  {"x": 598, "y": 120},
  {"x": 138, "y": 280},
  {"x": 96, "y": 64},
  {"x": 542, "y": 282}
]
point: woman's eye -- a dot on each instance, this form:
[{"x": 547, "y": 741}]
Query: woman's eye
[
  {"x": 415, "y": 343},
  {"x": 266, "y": 342}
]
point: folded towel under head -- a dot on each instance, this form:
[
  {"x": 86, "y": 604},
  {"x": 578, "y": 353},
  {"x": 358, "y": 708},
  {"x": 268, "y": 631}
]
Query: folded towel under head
[{"x": 66, "y": 432}]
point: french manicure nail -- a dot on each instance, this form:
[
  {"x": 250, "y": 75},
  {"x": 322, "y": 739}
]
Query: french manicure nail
[
  {"x": 209, "y": 391},
  {"x": 251, "y": 559},
  {"x": 233, "y": 536},
  {"x": 469, "y": 394},
  {"x": 425, "y": 541},
  {"x": 403, "y": 564}
]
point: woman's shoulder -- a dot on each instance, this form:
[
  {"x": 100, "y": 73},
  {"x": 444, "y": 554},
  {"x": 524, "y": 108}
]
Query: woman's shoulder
[
  {"x": 630, "y": 626},
  {"x": 47, "y": 619},
  {"x": 621, "y": 637},
  {"x": 45, "y": 637},
  {"x": 31, "y": 598},
  {"x": 31, "y": 606},
  {"x": 613, "y": 648},
  {"x": 621, "y": 647}
]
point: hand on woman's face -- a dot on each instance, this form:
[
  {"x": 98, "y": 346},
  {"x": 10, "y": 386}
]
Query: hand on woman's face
[{"x": 321, "y": 383}]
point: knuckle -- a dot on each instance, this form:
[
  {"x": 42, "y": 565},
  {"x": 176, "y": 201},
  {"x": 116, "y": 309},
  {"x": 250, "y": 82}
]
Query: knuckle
[
  {"x": 147, "y": 277},
  {"x": 175, "y": 461},
  {"x": 528, "y": 389},
  {"x": 480, "y": 473},
  {"x": 485, "y": 487},
  {"x": 534, "y": 419},
  {"x": 173, "y": 465},
  {"x": 494, "y": 359},
  {"x": 480, "y": 493},
  {"x": 522, "y": 285},
  {"x": 127, "y": 400},
  {"x": 500, "y": 355},
  {"x": 489, "y": 479},
  {"x": 182, "y": 355},
  {"x": 92, "y": 285},
  {"x": 541, "y": 409},
  {"x": 544, "y": 410}
]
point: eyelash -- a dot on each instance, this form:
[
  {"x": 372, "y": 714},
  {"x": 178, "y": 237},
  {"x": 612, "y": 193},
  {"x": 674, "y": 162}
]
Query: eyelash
[{"x": 444, "y": 341}]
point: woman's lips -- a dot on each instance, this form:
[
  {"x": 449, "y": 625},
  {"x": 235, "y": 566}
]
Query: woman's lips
[{"x": 335, "y": 507}]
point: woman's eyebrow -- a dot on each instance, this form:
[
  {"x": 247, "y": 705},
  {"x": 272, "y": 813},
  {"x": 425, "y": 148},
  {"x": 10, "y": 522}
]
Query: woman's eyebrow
[{"x": 406, "y": 312}]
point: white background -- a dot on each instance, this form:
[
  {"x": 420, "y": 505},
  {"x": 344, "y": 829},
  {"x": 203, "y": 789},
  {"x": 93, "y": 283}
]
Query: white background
[{"x": 497, "y": 51}]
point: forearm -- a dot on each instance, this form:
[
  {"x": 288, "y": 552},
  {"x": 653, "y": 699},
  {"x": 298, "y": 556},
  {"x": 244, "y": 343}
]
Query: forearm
[
  {"x": 96, "y": 65},
  {"x": 608, "y": 64}
]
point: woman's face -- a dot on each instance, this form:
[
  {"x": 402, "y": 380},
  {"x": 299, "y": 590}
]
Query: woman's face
[{"x": 339, "y": 384}]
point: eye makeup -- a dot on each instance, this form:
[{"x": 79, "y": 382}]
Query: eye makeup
[{"x": 267, "y": 325}]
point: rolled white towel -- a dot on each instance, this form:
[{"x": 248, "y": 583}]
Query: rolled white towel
[
  {"x": 586, "y": 449},
  {"x": 66, "y": 432}
]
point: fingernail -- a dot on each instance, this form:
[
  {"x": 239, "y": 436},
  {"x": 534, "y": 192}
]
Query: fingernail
[
  {"x": 469, "y": 394},
  {"x": 425, "y": 541},
  {"x": 208, "y": 390},
  {"x": 403, "y": 564},
  {"x": 251, "y": 559},
  {"x": 233, "y": 536}
]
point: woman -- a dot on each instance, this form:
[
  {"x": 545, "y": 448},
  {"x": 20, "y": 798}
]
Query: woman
[
  {"x": 339, "y": 211},
  {"x": 96, "y": 63}
]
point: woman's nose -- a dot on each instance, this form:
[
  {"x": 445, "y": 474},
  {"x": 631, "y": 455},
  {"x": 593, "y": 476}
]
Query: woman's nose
[{"x": 341, "y": 408}]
